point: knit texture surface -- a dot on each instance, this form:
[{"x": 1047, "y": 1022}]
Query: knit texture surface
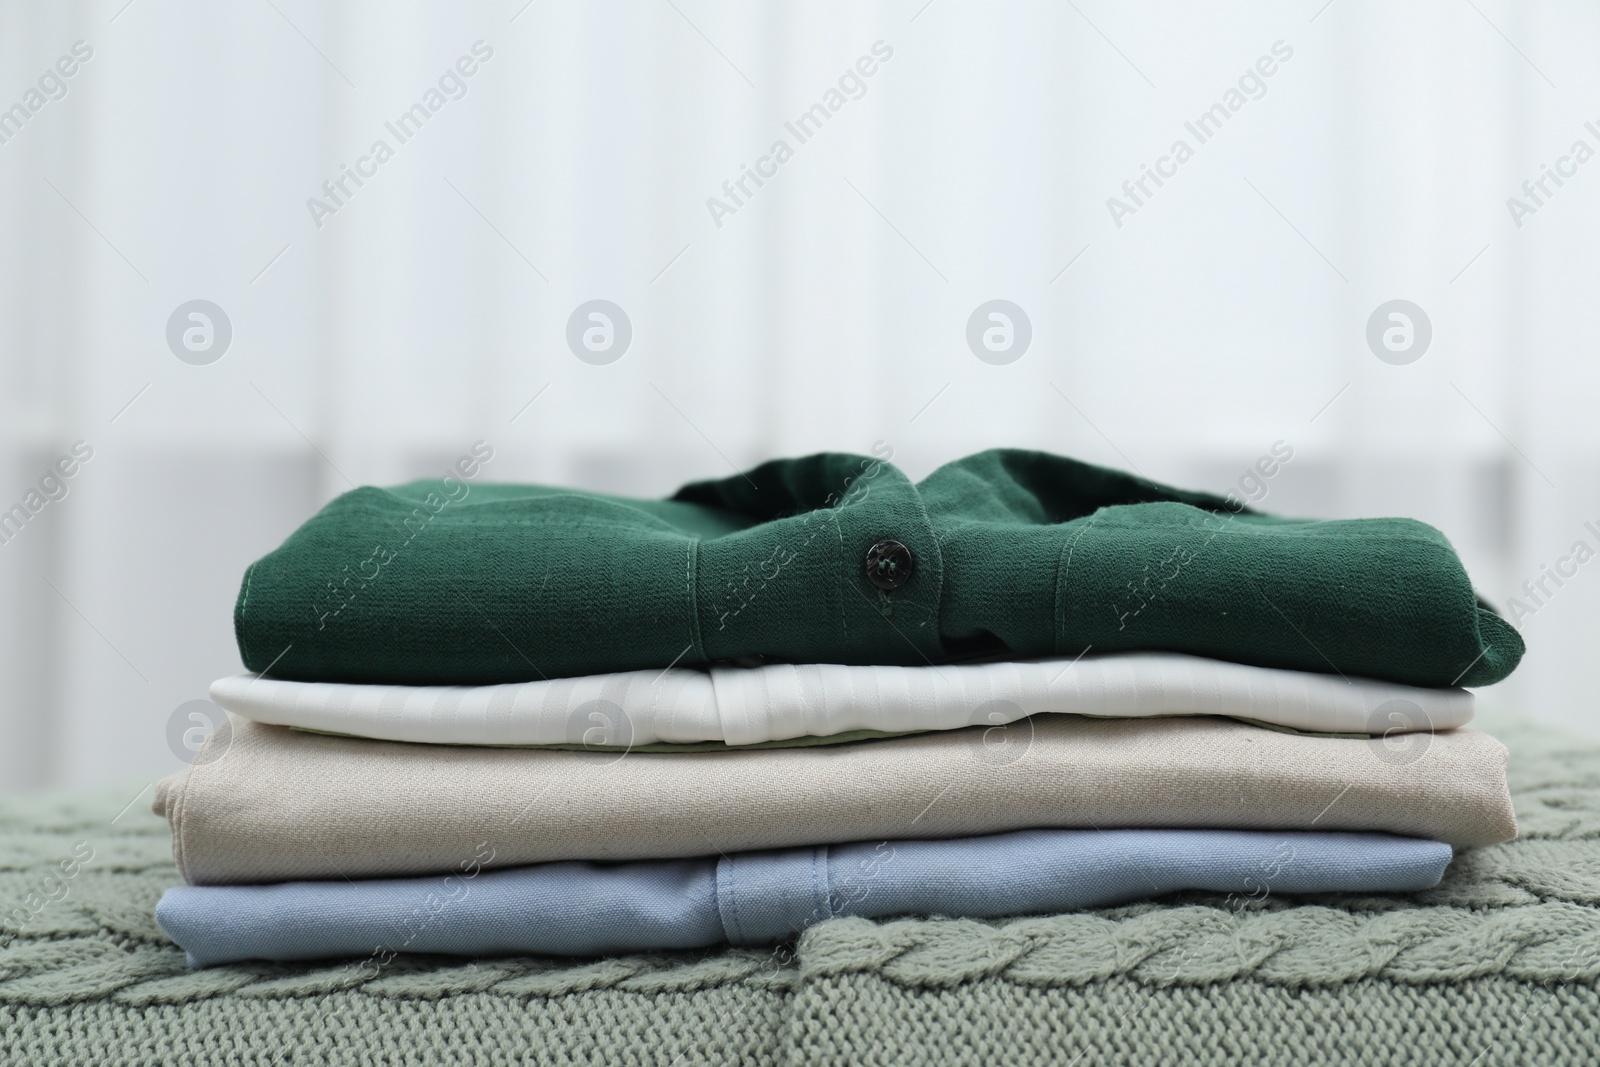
[{"x": 1498, "y": 965}]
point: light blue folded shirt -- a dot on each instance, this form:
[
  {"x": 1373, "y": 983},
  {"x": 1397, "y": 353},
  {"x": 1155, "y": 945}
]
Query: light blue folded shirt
[{"x": 753, "y": 898}]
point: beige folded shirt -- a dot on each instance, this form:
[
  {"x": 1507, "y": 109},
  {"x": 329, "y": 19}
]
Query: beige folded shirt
[{"x": 266, "y": 803}]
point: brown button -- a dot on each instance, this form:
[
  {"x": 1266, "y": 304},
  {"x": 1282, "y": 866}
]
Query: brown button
[{"x": 889, "y": 565}]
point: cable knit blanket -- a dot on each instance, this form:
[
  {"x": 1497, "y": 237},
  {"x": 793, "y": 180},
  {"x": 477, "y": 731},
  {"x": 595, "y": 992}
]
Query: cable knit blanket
[{"x": 1498, "y": 965}]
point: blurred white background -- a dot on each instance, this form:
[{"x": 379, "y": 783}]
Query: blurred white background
[{"x": 828, "y": 311}]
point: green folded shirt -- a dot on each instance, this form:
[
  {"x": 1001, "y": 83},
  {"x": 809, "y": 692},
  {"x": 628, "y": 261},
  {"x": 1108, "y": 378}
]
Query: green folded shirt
[{"x": 838, "y": 558}]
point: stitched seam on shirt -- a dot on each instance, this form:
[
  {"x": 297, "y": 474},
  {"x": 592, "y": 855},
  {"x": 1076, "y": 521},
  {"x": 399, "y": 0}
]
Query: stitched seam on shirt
[
  {"x": 478, "y": 521},
  {"x": 244, "y": 600},
  {"x": 820, "y": 893},
  {"x": 840, "y": 578},
  {"x": 724, "y": 919},
  {"x": 619, "y": 530},
  {"x": 938, "y": 550},
  {"x": 179, "y": 822},
  {"x": 733, "y": 903},
  {"x": 397, "y": 504},
  {"x": 1063, "y": 571},
  {"x": 691, "y": 586}
]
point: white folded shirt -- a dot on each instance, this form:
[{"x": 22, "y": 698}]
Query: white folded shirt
[{"x": 782, "y": 701}]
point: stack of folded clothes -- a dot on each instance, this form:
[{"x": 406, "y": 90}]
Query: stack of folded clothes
[{"x": 496, "y": 719}]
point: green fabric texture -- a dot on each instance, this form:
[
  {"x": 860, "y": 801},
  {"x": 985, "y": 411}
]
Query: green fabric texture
[
  {"x": 1500, "y": 964},
  {"x": 1032, "y": 554}
]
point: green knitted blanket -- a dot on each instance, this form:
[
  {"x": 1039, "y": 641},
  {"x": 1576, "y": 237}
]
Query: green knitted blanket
[{"x": 1498, "y": 965}]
